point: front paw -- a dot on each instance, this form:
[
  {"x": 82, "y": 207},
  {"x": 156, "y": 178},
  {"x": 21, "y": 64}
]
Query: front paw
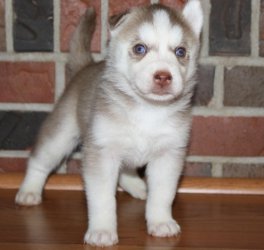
[
  {"x": 164, "y": 229},
  {"x": 28, "y": 198},
  {"x": 101, "y": 238}
]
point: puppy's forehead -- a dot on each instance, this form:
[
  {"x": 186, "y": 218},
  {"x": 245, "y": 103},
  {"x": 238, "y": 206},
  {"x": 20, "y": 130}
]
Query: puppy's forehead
[
  {"x": 161, "y": 18},
  {"x": 161, "y": 27}
]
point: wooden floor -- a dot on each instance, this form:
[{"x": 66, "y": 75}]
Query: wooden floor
[{"x": 207, "y": 222}]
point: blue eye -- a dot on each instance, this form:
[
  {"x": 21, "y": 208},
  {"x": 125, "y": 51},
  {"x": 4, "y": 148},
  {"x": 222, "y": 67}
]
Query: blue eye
[
  {"x": 140, "y": 49},
  {"x": 180, "y": 52}
]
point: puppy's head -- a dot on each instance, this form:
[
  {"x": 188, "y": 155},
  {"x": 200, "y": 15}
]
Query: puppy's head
[{"x": 155, "y": 49}]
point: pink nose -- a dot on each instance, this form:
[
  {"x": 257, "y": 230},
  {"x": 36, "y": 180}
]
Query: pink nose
[{"x": 162, "y": 78}]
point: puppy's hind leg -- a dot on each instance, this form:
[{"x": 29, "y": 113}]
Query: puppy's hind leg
[
  {"x": 130, "y": 182},
  {"x": 57, "y": 138}
]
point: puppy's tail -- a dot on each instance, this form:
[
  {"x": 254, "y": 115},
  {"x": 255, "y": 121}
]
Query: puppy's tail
[{"x": 80, "y": 54}]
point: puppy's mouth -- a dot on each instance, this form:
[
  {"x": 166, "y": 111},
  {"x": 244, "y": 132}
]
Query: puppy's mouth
[
  {"x": 161, "y": 91},
  {"x": 160, "y": 98},
  {"x": 157, "y": 95}
]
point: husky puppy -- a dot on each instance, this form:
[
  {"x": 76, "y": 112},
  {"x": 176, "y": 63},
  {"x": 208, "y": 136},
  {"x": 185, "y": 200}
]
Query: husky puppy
[{"x": 132, "y": 109}]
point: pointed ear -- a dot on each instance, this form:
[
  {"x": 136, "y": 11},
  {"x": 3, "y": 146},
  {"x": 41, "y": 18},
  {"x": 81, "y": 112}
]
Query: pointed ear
[
  {"x": 116, "y": 21},
  {"x": 193, "y": 13}
]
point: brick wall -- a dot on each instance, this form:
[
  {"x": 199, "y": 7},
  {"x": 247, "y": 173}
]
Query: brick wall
[{"x": 228, "y": 127}]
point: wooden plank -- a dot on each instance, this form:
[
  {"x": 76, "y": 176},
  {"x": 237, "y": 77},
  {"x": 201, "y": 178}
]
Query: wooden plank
[
  {"x": 222, "y": 186},
  {"x": 22, "y": 246},
  {"x": 60, "y": 222},
  {"x": 187, "y": 184},
  {"x": 55, "y": 182}
]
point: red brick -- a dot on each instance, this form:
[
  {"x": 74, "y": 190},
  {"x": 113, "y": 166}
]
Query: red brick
[
  {"x": 262, "y": 20},
  {"x": 117, "y": 6},
  {"x": 261, "y": 31},
  {"x": 238, "y": 91},
  {"x": 227, "y": 136},
  {"x": 197, "y": 169},
  {"x": 12, "y": 164},
  {"x": 71, "y": 11},
  {"x": 205, "y": 85},
  {"x": 230, "y": 28},
  {"x": 2, "y": 26},
  {"x": 243, "y": 171},
  {"x": 178, "y": 4},
  {"x": 27, "y": 82},
  {"x": 190, "y": 169}
]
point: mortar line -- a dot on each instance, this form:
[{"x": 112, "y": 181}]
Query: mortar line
[
  {"x": 37, "y": 56},
  {"x": 232, "y": 61},
  {"x": 104, "y": 26},
  {"x": 56, "y": 25},
  {"x": 217, "y": 170},
  {"x": 59, "y": 65},
  {"x": 228, "y": 111},
  {"x": 9, "y": 19},
  {"x": 218, "y": 97},
  {"x": 226, "y": 159},
  {"x": 60, "y": 79},
  {"x": 14, "y": 153},
  {"x": 255, "y": 19},
  {"x": 28, "y": 107},
  {"x": 213, "y": 60},
  {"x": 197, "y": 111},
  {"x": 206, "y": 28},
  {"x": 198, "y": 159}
]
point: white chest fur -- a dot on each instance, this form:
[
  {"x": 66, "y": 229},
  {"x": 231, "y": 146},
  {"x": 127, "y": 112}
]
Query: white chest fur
[{"x": 140, "y": 134}]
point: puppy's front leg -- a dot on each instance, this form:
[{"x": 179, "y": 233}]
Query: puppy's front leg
[
  {"x": 162, "y": 175},
  {"x": 100, "y": 175}
]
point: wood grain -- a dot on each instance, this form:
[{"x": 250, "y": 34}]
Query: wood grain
[{"x": 207, "y": 221}]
